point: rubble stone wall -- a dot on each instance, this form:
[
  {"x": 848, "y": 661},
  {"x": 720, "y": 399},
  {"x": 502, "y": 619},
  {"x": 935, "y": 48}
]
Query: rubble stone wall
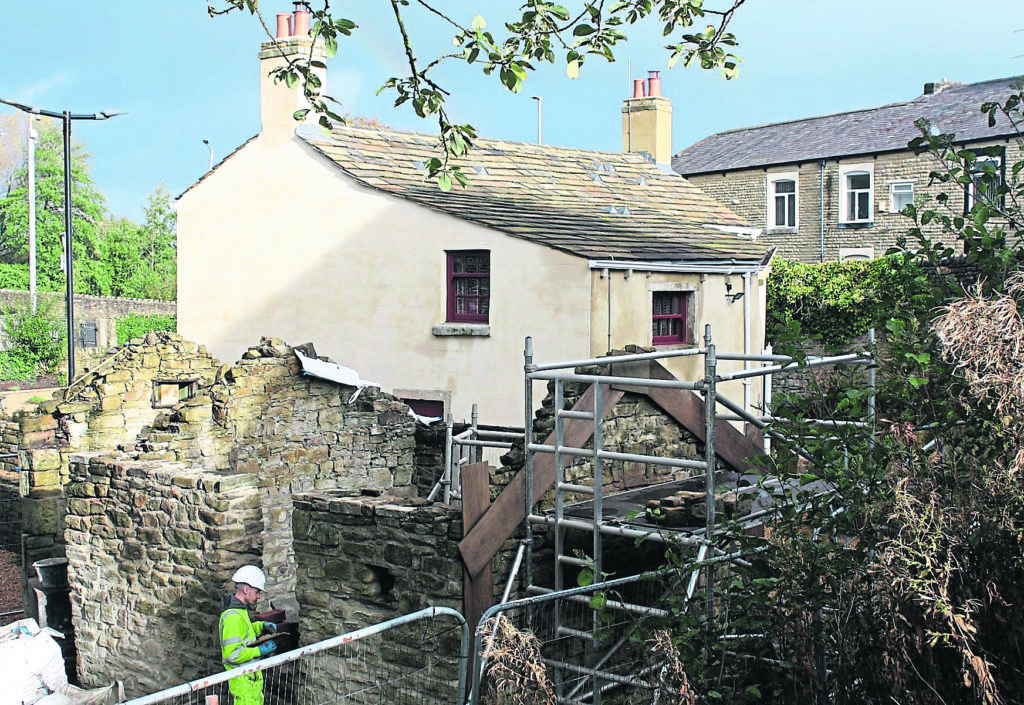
[
  {"x": 363, "y": 560},
  {"x": 151, "y": 546}
]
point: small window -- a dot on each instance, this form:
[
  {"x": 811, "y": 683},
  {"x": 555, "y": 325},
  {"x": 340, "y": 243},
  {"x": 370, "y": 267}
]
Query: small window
[
  {"x": 469, "y": 286},
  {"x": 901, "y": 195},
  {"x": 785, "y": 203},
  {"x": 856, "y": 193},
  {"x": 782, "y": 201},
  {"x": 168, "y": 393},
  {"x": 669, "y": 317},
  {"x": 986, "y": 178}
]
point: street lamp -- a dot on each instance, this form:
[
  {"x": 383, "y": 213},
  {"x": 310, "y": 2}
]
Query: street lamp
[
  {"x": 66, "y": 117},
  {"x": 210, "y": 146}
]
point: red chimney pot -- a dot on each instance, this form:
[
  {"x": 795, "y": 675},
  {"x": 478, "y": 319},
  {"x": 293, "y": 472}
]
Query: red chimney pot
[
  {"x": 638, "y": 88},
  {"x": 284, "y": 25},
  {"x": 301, "y": 26},
  {"x": 653, "y": 84}
]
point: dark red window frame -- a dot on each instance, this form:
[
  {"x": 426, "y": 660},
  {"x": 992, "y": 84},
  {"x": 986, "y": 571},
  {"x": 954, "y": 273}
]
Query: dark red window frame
[
  {"x": 469, "y": 286},
  {"x": 669, "y": 316}
]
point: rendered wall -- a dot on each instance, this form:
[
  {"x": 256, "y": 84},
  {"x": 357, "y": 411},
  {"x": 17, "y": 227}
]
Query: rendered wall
[{"x": 276, "y": 241}]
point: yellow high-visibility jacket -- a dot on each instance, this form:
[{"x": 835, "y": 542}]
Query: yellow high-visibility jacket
[{"x": 237, "y": 632}]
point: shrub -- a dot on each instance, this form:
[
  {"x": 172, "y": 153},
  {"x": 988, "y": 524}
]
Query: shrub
[
  {"x": 37, "y": 338},
  {"x": 16, "y": 366},
  {"x": 136, "y": 326}
]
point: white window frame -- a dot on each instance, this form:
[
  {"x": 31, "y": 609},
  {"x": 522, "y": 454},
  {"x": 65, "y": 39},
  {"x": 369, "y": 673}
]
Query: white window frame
[
  {"x": 893, "y": 208},
  {"x": 770, "y": 197},
  {"x": 846, "y": 171},
  {"x": 980, "y": 160}
]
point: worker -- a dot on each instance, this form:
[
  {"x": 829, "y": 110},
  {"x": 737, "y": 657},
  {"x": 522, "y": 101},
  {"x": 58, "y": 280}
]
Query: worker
[{"x": 238, "y": 632}]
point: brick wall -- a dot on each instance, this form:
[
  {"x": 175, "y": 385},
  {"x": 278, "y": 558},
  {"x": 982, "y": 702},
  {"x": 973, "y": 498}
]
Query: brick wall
[{"x": 745, "y": 192}]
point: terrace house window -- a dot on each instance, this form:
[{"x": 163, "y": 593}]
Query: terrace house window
[
  {"x": 469, "y": 286},
  {"x": 856, "y": 195},
  {"x": 782, "y": 201},
  {"x": 669, "y": 317},
  {"x": 986, "y": 178}
]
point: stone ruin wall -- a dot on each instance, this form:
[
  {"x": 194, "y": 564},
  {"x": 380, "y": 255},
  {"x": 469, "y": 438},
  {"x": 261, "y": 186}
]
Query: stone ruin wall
[
  {"x": 215, "y": 477},
  {"x": 364, "y": 560},
  {"x": 10, "y": 488},
  {"x": 106, "y": 407}
]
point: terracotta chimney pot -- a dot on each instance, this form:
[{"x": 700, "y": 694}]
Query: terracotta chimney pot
[
  {"x": 301, "y": 26},
  {"x": 638, "y": 87},
  {"x": 284, "y": 25},
  {"x": 653, "y": 84}
]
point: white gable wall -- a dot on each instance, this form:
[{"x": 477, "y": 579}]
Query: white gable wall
[{"x": 278, "y": 242}]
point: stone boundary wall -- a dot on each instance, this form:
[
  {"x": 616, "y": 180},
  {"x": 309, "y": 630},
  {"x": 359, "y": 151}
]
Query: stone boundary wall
[
  {"x": 151, "y": 546},
  {"x": 102, "y": 310},
  {"x": 10, "y": 512}
]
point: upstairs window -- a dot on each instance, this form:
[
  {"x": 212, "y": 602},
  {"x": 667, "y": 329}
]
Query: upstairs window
[
  {"x": 901, "y": 195},
  {"x": 669, "y": 316},
  {"x": 856, "y": 193},
  {"x": 986, "y": 178},
  {"x": 782, "y": 201},
  {"x": 469, "y": 286}
]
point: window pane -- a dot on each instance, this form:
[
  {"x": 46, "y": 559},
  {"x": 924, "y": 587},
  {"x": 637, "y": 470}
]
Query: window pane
[
  {"x": 859, "y": 181},
  {"x": 785, "y": 186},
  {"x": 863, "y": 206},
  {"x": 780, "y": 210},
  {"x": 792, "y": 211},
  {"x": 458, "y": 265}
]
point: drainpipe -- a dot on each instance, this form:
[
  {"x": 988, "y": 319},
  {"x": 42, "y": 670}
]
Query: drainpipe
[
  {"x": 821, "y": 215},
  {"x": 746, "y": 340}
]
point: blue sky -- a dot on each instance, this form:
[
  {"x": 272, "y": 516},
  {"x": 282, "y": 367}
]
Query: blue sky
[{"x": 184, "y": 77}]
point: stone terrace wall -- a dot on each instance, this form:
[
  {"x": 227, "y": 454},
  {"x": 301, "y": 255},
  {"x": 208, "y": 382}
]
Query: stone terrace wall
[
  {"x": 363, "y": 560},
  {"x": 151, "y": 547},
  {"x": 105, "y": 409}
]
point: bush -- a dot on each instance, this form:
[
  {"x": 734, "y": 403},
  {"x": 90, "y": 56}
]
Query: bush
[
  {"x": 136, "y": 326},
  {"x": 39, "y": 338},
  {"x": 16, "y": 366}
]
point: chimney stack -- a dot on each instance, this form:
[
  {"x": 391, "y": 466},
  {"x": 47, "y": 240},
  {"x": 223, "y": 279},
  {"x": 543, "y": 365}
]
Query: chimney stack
[
  {"x": 647, "y": 120},
  {"x": 278, "y": 102}
]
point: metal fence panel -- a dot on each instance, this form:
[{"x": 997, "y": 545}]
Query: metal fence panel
[
  {"x": 593, "y": 640},
  {"x": 417, "y": 658}
]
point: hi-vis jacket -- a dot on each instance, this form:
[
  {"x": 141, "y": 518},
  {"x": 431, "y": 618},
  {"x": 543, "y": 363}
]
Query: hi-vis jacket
[{"x": 236, "y": 633}]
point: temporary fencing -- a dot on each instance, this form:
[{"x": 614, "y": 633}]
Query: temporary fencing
[
  {"x": 592, "y": 640},
  {"x": 417, "y": 658}
]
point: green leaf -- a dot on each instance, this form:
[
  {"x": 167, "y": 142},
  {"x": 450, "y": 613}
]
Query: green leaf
[
  {"x": 585, "y": 577},
  {"x": 479, "y": 23},
  {"x": 444, "y": 181},
  {"x": 598, "y": 601},
  {"x": 917, "y": 382}
]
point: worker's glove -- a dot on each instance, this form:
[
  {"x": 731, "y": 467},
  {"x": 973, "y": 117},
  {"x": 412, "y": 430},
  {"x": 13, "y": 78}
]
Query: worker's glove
[
  {"x": 269, "y": 628},
  {"x": 267, "y": 648}
]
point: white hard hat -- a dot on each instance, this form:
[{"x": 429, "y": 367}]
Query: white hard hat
[{"x": 251, "y": 575}]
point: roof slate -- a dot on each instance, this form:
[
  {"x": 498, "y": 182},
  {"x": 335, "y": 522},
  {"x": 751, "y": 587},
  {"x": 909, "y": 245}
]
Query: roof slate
[
  {"x": 548, "y": 195},
  {"x": 882, "y": 129}
]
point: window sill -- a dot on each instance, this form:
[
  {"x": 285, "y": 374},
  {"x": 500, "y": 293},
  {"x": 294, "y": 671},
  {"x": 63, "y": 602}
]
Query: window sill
[
  {"x": 781, "y": 231},
  {"x": 856, "y": 226},
  {"x": 482, "y": 330}
]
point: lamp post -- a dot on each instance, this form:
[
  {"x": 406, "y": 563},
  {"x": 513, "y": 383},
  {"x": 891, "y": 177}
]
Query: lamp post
[
  {"x": 67, "y": 117},
  {"x": 210, "y": 147},
  {"x": 540, "y": 119}
]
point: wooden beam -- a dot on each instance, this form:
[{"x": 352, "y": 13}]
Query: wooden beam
[
  {"x": 477, "y": 589},
  {"x": 509, "y": 509}
]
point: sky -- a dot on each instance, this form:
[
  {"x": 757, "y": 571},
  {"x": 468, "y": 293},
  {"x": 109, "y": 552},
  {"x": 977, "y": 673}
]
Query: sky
[{"x": 184, "y": 77}]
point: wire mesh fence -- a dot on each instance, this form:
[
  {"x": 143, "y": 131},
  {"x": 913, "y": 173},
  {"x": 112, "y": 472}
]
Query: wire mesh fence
[
  {"x": 417, "y": 658},
  {"x": 593, "y": 641}
]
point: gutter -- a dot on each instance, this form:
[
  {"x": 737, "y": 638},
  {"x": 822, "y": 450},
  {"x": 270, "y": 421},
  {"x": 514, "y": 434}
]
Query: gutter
[{"x": 694, "y": 267}]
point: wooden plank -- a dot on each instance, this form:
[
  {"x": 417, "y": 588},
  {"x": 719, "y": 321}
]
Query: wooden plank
[
  {"x": 687, "y": 408},
  {"x": 508, "y": 510},
  {"x": 477, "y": 589}
]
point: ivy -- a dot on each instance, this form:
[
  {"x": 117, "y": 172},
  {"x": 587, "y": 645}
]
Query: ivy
[{"x": 839, "y": 301}]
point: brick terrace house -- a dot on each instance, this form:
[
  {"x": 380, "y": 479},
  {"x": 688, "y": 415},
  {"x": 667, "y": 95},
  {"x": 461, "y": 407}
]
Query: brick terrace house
[
  {"x": 340, "y": 240},
  {"x": 832, "y": 187}
]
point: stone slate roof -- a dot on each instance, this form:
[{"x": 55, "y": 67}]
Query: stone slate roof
[
  {"x": 887, "y": 128},
  {"x": 554, "y": 196}
]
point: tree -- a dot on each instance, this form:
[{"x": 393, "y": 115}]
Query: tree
[
  {"x": 161, "y": 249},
  {"x": 86, "y": 212},
  {"x": 545, "y": 32}
]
